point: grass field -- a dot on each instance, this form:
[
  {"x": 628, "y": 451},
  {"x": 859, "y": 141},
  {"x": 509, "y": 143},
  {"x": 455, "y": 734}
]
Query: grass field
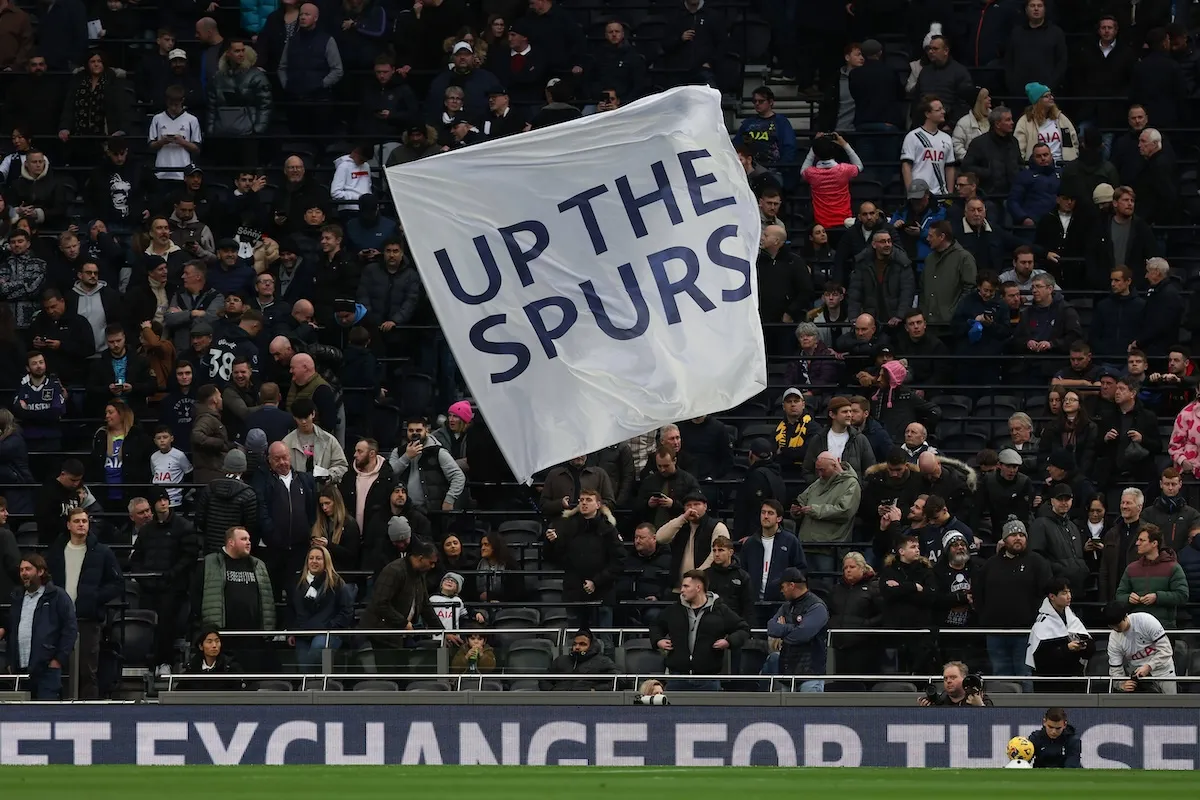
[{"x": 576, "y": 783}]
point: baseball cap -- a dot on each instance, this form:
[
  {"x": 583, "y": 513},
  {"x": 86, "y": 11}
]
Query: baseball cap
[
  {"x": 793, "y": 575},
  {"x": 178, "y": 52},
  {"x": 917, "y": 189},
  {"x": 495, "y": 90},
  {"x": 1010, "y": 458},
  {"x": 871, "y": 48},
  {"x": 460, "y": 46},
  {"x": 192, "y": 169},
  {"x": 227, "y": 243},
  {"x": 695, "y": 496},
  {"x": 1103, "y": 193},
  {"x": 1060, "y": 491},
  {"x": 791, "y": 390},
  {"x": 761, "y": 448}
]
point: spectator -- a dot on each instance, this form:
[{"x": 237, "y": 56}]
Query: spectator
[
  {"x": 210, "y": 659},
  {"x": 1037, "y": 51},
  {"x": 915, "y": 219},
  {"x": 1056, "y": 537},
  {"x": 950, "y": 271},
  {"x": 878, "y": 95},
  {"x": 663, "y": 490},
  {"x": 352, "y": 178},
  {"x": 40, "y": 403},
  {"x": 916, "y": 442},
  {"x": 954, "y": 606},
  {"x": 1008, "y": 593},
  {"x": 584, "y": 658},
  {"x": 832, "y": 310},
  {"x": 311, "y": 448},
  {"x": 1163, "y": 312},
  {"x": 92, "y": 579},
  {"x": 1035, "y": 191},
  {"x": 390, "y": 533},
  {"x": 945, "y": 78},
  {"x": 64, "y": 337},
  {"x": 995, "y": 156},
  {"x": 1120, "y": 543},
  {"x": 227, "y": 502},
  {"x": 927, "y": 154},
  {"x": 692, "y": 41},
  {"x": 119, "y": 374},
  {"x": 474, "y": 84},
  {"x": 323, "y": 600},
  {"x": 881, "y": 283},
  {"x": 210, "y": 439},
  {"x": 310, "y": 65},
  {"x": 335, "y": 530},
  {"x": 842, "y": 441},
  {"x": 97, "y": 105},
  {"x": 195, "y": 306},
  {"x": 1123, "y": 312},
  {"x": 239, "y": 106},
  {"x": 646, "y": 574},
  {"x": 232, "y": 591},
  {"x": 1155, "y": 580},
  {"x": 616, "y": 66},
  {"x": 1138, "y": 648},
  {"x": 1059, "y": 644},
  {"x": 1044, "y": 123},
  {"x": 57, "y": 496},
  {"x": 22, "y": 277},
  {"x": 769, "y": 551},
  {"x": 1157, "y": 182},
  {"x": 1129, "y": 440},
  {"x": 800, "y": 624},
  {"x": 474, "y": 656},
  {"x": 400, "y": 599},
  {"x": 708, "y": 450},
  {"x": 366, "y": 487},
  {"x": 906, "y": 590},
  {"x": 827, "y": 508},
  {"x": 1071, "y": 431},
  {"x": 769, "y": 133},
  {"x": 1091, "y": 169},
  {"x": 1102, "y": 68},
  {"x": 585, "y": 545},
  {"x": 306, "y": 383},
  {"x": 855, "y": 602},
  {"x": 37, "y": 194},
  {"x": 763, "y": 481},
  {"x": 52, "y": 633},
  {"x": 856, "y": 239},
  {"x": 830, "y": 178},
  {"x": 165, "y": 553},
  {"x": 729, "y": 581},
  {"x": 972, "y": 124},
  {"x": 121, "y": 452},
  {"x": 1158, "y": 82},
  {"x": 694, "y": 550},
  {"x": 289, "y": 501},
  {"x": 817, "y": 366},
  {"x": 695, "y": 633},
  {"x": 1049, "y": 324},
  {"x": 1171, "y": 514}
]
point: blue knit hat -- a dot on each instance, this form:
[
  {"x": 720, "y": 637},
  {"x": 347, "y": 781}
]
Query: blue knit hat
[{"x": 1036, "y": 91}]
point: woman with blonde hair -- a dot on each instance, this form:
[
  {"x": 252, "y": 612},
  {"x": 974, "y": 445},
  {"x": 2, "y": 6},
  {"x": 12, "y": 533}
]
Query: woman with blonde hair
[
  {"x": 336, "y": 530},
  {"x": 855, "y": 603},
  {"x": 121, "y": 452},
  {"x": 973, "y": 124},
  {"x": 1044, "y": 123},
  {"x": 322, "y": 600}
]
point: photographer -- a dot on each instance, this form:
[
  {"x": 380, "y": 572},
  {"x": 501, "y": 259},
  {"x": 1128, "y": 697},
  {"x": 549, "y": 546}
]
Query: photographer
[
  {"x": 1138, "y": 648},
  {"x": 1055, "y": 744},
  {"x": 960, "y": 689}
]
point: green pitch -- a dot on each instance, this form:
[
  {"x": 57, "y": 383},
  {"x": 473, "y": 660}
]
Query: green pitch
[{"x": 577, "y": 783}]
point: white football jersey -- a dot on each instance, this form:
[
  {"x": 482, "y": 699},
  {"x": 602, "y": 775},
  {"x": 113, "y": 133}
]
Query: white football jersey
[{"x": 929, "y": 154}]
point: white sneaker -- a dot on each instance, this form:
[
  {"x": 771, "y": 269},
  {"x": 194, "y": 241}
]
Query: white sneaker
[{"x": 163, "y": 671}]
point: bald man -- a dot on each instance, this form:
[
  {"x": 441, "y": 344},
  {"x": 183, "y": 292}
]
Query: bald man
[
  {"x": 303, "y": 312},
  {"x": 785, "y": 288},
  {"x": 949, "y": 479},
  {"x": 826, "y": 510},
  {"x": 291, "y": 505},
  {"x": 209, "y": 35},
  {"x": 307, "y": 383},
  {"x": 310, "y": 67},
  {"x": 861, "y": 346}
]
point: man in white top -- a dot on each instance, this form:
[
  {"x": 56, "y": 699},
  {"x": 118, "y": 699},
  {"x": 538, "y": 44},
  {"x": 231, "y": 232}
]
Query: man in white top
[
  {"x": 174, "y": 135},
  {"x": 1138, "y": 648},
  {"x": 928, "y": 152}
]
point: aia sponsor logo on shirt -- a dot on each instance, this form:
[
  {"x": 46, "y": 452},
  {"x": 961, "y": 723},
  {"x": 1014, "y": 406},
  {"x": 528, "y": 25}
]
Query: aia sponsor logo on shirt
[{"x": 937, "y": 156}]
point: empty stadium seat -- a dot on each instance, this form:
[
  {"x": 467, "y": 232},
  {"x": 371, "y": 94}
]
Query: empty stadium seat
[
  {"x": 1002, "y": 687},
  {"x": 645, "y": 662},
  {"x": 895, "y": 686},
  {"x": 376, "y": 686},
  {"x": 427, "y": 686},
  {"x": 275, "y": 686},
  {"x": 136, "y": 639},
  {"x": 530, "y": 656}
]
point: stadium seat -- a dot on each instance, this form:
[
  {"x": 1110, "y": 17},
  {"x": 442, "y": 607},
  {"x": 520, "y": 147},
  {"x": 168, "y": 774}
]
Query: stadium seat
[
  {"x": 1190, "y": 687},
  {"x": 376, "y": 686},
  {"x": 953, "y": 405},
  {"x": 525, "y": 685},
  {"x": 529, "y": 656},
  {"x": 469, "y": 685},
  {"x": 645, "y": 662},
  {"x": 136, "y": 639},
  {"x": 27, "y": 535},
  {"x": 515, "y": 618},
  {"x": 275, "y": 686},
  {"x": 1182, "y": 657},
  {"x": 1002, "y": 687},
  {"x": 895, "y": 686},
  {"x": 427, "y": 686},
  {"x": 757, "y": 431},
  {"x": 326, "y": 686}
]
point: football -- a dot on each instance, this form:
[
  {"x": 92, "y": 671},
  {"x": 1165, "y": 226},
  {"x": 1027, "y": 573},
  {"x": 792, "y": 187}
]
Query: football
[{"x": 1020, "y": 748}]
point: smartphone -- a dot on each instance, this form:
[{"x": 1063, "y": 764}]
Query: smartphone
[{"x": 660, "y": 495}]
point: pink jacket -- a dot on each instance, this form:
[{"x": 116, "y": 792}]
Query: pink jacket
[{"x": 1185, "y": 437}]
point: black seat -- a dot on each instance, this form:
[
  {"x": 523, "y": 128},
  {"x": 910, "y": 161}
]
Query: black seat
[
  {"x": 895, "y": 686},
  {"x": 427, "y": 686},
  {"x": 275, "y": 686},
  {"x": 376, "y": 686},
  {"x": 529, "y": 656}
]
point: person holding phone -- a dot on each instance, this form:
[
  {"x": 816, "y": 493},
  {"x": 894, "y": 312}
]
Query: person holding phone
[
  {"x": 983, "y": 329},
  {"x": 564, "y": 486}
]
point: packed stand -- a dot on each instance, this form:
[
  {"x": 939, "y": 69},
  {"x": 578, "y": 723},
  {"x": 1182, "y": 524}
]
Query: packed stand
[{"x": 975, "y": 291}]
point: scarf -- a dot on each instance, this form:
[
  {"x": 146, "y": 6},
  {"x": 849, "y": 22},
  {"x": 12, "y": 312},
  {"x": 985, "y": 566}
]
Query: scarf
[
  {"x": 1171, "y": 505},
  {"x": 1050, "y": 626}
]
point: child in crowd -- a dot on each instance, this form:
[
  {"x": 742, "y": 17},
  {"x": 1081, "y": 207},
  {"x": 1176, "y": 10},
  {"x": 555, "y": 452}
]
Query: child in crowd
[{"x": 170, "y": 465}]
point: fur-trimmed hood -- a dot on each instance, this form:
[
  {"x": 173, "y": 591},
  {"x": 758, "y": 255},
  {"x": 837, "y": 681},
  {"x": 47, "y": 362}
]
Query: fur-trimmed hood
[
  {"x": 968, "y": 473},
  {"x": 881, "y": 469},
  {"x": 604, "y": 512},
  {"x": 893, "y": 558},
  {"x": 225, "y": 65}
]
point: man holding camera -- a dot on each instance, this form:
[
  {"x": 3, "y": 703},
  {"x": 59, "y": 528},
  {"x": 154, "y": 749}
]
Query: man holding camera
[
  {"x": 959, "y": 689},
  {"x": 1138, "y": 648}
]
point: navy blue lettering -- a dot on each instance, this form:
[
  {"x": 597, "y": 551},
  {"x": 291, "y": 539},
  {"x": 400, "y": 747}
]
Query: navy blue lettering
[
  {"x": 489, "y": 267},
  {"x": 696, "y": 183},
  {"x": 522, "y": 258},
  {"x": 687, "y": 283},
  {"x": 738, "y": 265},
  {"x": 515, "y": 349},
  {"x": 634, "y": 205},
  {"x": 583, "y": 201},
  {"x": 569, "y": 316},
  {"x": 596, "y": 305}
]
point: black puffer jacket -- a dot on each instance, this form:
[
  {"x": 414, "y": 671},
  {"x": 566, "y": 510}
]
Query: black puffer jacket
[
  {"x": 857, "y": 606},
  {"x": 717, "y": 621},
  {"x": 224, "y": 503},
  {"x": 169, "y": 546},
  {"x": 100, "y": 580},
  {"x": 905, "y": 606},
  {"x": 1060, "y": 542},
  {"x": 590, "y": 663},
  {"x": 587, "y": 550}
]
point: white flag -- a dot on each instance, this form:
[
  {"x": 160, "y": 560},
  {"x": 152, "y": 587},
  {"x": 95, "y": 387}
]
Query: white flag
[{"x": 595, "y": 279}]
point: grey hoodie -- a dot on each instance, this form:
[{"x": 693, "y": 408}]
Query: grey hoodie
[
  {"x": 694, "y": 615},
  {"x": 91, "y": 309}
]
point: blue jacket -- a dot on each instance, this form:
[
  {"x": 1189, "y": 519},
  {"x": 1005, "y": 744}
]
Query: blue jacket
[
  {"x": 1189, "y": 560},
  {"x": 773, "y": 138},
  {"x": 878, "y": 436},
  {"x": 1034, "y": 193},
  {"x": 934, "y": 212},
  {"x": 993, "y": 337},
  {"x": 307, "y": 64},
  {"x": 1122, "y": 322},
  {"x": 43, "y": 409},
  {"x": 369, "y": 237},
  {"x": 329, "y": 610},
  {"x": 271, "y": 420},
  {"x": 100, "y": 580},
  {"x": 1065, "y": 752},
  {"x": 802, "y": 631},
  {"x": 788, "y": 552},
  {"x": 255, "y": 13},
  {"x": 54, "y": 629},
  {"x": 238, "y": 279}
]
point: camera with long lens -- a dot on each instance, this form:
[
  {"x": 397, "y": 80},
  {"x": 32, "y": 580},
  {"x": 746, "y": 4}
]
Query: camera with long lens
[
  {"x": 932, "y": 693},
  {"x": 973, "y": 683}
]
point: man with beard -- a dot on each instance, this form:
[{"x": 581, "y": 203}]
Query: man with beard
[
  {"x": 35, "y": 99},
  {"x": 1008, "y": 591},
  {"x": 584, "y": 543},
  {"x": 50, "y": 640},
  {"x": 379, "y": 546},
  {"x": 954, "y": 602},
  {"x": 1003, "y": 493},
  {"x": 647, "y": 575},
  {"x": 1057, "y": 537},
  {"x": 894, "y": 482},
  {"x": 896, "y": 524}
]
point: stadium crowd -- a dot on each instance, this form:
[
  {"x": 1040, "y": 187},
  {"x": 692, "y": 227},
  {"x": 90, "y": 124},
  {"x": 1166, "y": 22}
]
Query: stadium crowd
[{"x": 237, "y": 412}]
